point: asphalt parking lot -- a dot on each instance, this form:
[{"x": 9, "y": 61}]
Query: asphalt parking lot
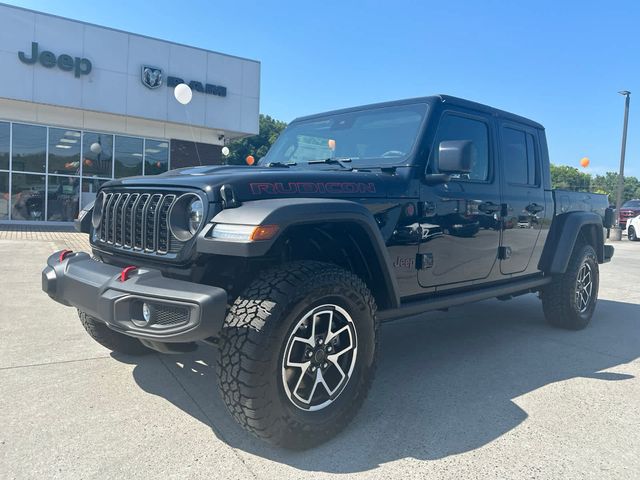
[{"x": 483, "y": 391}]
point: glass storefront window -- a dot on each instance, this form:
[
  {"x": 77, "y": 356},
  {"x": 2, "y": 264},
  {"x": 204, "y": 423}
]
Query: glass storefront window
[
  {"x": 64, "y": 151},
  {"x": 4, "y": 196},
  {"x": 90, "y": 188},
  {"x": 27, "y": 196},
  {"x": 97, "y": 153},
  {"x": 156, "y": 156},
  {"x": 29, "y": 148},
  {"x": 128, "y": 156},
  {"x": 5, "y": 130},
  {"x": 62, "y": 198},
  {"x": 49, "y": 173}
]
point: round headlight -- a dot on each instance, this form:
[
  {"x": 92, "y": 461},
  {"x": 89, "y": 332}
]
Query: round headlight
[
  {"x": 97, "y": 210},
  {"x": 186, "y": 216},
  {"x": 196, "y": 215}
]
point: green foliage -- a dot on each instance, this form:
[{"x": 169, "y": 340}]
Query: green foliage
[
  {"x": 570, "y": 178},
  {"x": 257, "y": 145}
]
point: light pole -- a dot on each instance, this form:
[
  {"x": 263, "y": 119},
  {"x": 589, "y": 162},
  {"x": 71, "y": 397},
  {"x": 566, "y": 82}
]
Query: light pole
[{"x": 617, "y": 231}]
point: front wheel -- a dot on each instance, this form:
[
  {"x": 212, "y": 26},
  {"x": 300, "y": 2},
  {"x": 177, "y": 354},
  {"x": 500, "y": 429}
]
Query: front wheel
[
  {"x": 631, "y": 234},
  {"x": 570, "y": 299},
  {"x": 297, "y": 353}
]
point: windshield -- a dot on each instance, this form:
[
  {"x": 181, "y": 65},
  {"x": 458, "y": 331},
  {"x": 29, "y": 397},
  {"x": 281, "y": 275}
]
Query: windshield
[
  {"x": 373, "y": 137},
  {"x": 632, "y": 204}
]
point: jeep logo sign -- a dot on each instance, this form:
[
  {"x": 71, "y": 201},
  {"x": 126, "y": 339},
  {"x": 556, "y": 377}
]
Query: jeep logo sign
[{"x": 79, "y": 66}]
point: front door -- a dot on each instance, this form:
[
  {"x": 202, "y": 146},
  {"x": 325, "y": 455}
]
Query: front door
[
  {"x": 460, "y": 220},
  {"x": 523, "y": 196}
]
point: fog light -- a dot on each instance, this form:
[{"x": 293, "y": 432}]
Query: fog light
[{"x": 146, "y": 312}]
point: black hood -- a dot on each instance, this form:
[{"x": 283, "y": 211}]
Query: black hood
[{"x": 256, "y": 182}]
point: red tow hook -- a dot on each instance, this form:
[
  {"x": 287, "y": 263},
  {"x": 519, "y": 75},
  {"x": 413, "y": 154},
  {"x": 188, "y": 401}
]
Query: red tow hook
[
  {"x": 64, "y": 254},
  {"x": 124, "y": 274}
]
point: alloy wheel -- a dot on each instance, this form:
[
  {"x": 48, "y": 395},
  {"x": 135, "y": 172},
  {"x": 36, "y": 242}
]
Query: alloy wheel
[
  {"x": 319, "y": 357},
  {"x": 584, "y": 288}
]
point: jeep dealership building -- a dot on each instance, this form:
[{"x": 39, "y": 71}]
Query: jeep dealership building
[{"x": 81, "y": 104}]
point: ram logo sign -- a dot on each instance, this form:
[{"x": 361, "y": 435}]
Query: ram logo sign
[{"x": 151, "y": 76}]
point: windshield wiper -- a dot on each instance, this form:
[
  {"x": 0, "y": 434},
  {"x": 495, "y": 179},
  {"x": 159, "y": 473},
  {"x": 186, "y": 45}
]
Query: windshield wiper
[
  {"x": 333, "y": 161},
  {"x": 281, "y": 164}
]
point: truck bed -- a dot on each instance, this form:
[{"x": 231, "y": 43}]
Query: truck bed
[{"x": 568, "y": 201}]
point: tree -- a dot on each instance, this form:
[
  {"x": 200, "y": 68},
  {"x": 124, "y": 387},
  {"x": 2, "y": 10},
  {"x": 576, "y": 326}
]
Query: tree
[
  {"x": 256, "y": 145},
  {"x": 609, "y": 184},
  {"x": 569, "y": 178}
]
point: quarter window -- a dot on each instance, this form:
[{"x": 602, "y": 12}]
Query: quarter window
[
  {"x": 454, "y": 127},
  {"x": 519, "y": 157}
]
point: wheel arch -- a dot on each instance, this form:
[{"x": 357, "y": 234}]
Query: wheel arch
[
  {"x": 566, "y": 230},
  {"x": 338, "y": 231}
]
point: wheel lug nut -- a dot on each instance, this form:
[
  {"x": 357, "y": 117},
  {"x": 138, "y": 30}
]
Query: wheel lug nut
[
  {"x": 309, "y": 354},
  {"x": 325, "y": 365},
  {"x": 329, "y": 348},
  {"x": 313, "y": 369},
  {"x": 320, "y": 341}
]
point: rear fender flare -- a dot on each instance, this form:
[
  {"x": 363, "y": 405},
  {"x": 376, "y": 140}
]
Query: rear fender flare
[{"x": 563, "y": 236}]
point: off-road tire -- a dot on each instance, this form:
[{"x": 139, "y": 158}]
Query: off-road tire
[
  {"x": 114, "y": 341},
  {"x": 252, "y": 346},
  {"x": 559, "y": 297},
  {"x": 631, "y": 234}
]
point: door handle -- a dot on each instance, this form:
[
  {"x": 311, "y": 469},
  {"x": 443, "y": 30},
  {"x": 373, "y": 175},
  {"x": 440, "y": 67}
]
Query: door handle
[
  {"x": 488, "y": 207},
  {"x": 534, "y": 208}
]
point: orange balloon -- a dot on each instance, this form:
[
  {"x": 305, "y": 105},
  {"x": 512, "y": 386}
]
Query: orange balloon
[
  {"x": 250, "y": 160},
  {"x": 585, "y": 162}
]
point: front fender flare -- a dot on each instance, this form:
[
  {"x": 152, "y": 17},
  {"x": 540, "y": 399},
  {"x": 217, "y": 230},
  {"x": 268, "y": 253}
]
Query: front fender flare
[{"x": 286, "y": 212}]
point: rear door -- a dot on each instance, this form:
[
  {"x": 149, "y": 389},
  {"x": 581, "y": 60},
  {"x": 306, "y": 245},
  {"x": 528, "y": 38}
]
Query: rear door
[{"x": 523, "y": 195}]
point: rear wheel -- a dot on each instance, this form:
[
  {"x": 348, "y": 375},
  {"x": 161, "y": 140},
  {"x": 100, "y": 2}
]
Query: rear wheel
[
  {"x": 297, "y": 353},
  {"x": 631, "y": 234},
  {"x": 570, "y": 300},
  {"x": 114, "y": 341}
]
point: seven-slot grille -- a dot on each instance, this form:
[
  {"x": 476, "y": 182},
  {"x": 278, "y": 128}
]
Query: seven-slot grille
[{"x": 138, "y": 221}]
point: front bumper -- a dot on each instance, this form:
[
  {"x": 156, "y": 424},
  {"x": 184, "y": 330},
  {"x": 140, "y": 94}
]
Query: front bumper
[{"x": 180, "y": 311}]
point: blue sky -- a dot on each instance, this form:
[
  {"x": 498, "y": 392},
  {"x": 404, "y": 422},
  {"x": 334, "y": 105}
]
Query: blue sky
[{"x": 558, "y": 62}]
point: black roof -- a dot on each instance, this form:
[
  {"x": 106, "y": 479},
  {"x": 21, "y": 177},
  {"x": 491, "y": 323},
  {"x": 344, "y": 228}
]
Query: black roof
[{"x": 431, "y": 100}]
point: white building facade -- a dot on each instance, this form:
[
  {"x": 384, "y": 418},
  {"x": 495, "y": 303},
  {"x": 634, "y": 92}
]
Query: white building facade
[{"x": 81, "y": 104}]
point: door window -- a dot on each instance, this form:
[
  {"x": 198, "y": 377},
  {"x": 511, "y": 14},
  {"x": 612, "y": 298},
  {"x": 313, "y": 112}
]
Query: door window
[
  {"x": 519, "y": 157},
  {"x": 454, "y": 127}
]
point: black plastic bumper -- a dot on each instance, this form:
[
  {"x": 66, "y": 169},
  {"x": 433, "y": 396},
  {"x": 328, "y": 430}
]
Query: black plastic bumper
[{"x": 180, "y": 311}]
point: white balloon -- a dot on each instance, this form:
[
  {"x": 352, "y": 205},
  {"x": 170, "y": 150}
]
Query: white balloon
[
  {"x": 183, "y": 93},
  {"x": 96, "y": 148},
  {"x": 225, "y": 151}
]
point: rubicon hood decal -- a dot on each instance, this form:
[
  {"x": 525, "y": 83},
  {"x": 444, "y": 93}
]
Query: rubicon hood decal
[{"x": 280, "y": 188}]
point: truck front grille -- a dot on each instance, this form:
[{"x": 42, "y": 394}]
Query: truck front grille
[{"x": 138, "y": 222}]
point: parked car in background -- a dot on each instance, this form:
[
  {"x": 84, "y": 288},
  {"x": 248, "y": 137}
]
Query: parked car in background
[
  {"x": 629, "y": 210},
  {"x": 633, "y": 229}
]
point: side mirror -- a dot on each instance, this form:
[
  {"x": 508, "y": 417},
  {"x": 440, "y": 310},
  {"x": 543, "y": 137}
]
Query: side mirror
[{"x": 454, "y": 156}]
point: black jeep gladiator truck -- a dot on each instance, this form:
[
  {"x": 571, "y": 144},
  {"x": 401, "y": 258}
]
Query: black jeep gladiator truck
[{"x": 354, "y": 217}]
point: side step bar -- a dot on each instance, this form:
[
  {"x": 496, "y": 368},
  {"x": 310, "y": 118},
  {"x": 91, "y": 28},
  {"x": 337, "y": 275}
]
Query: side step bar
[{"x": 454, "y": 299}]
